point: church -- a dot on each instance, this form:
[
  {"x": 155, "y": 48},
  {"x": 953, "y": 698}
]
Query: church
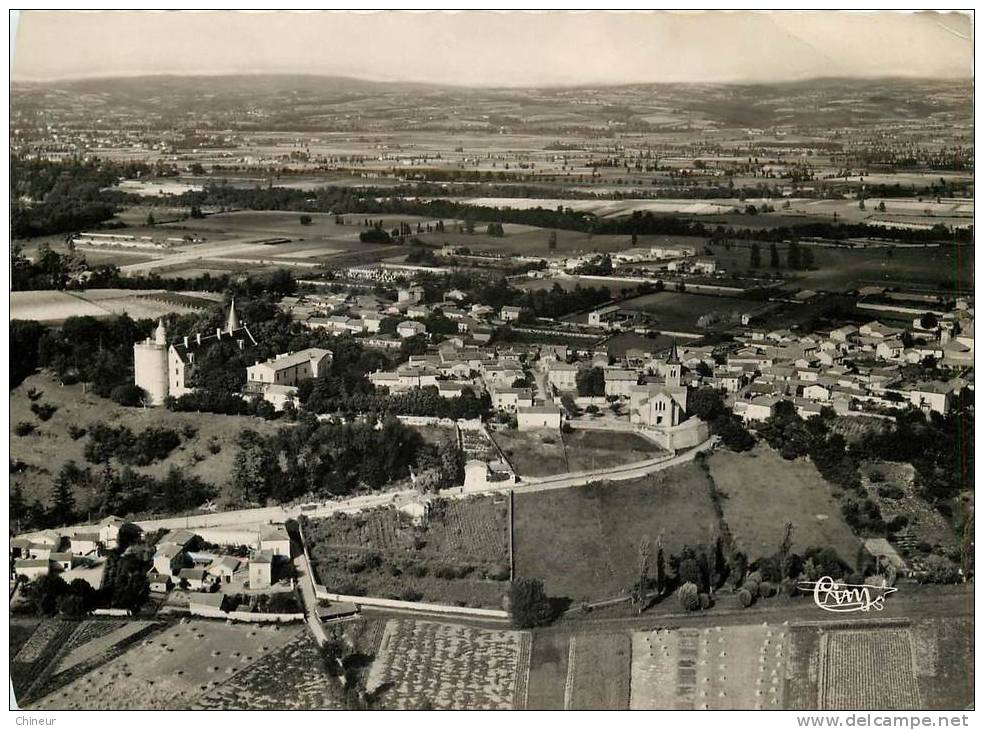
[
  {"x": 661, "y": 401},
  {"x": 163, "y": 369}
]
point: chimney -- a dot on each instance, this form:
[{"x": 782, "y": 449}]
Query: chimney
[
  {"x": 186, "y": 342},
  {"x": 218, "y": 333},
  {"x": 198, "y": 337}
]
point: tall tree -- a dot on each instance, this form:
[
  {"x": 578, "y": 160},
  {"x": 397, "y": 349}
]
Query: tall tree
[
  {"x": 755, "y": 256},
  {"x": 793, "y": 256},
  {"x": 774, "y": 256},
  {"x": 62, "y": 499}
]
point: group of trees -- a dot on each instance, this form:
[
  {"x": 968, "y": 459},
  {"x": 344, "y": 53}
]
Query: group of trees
[
  {"x": 61, "y": 197},
  {"x": 106, "y": 442},
  {"x": 322, "y": 459},
  {"x": 708, "y": 405},
  {"x": 797, "y": 258},
  {"x": 83, "y": 492},
  {"x": 125, "y": 586}
]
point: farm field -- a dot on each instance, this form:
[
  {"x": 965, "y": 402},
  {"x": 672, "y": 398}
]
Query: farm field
[
  {"x": 53, "y": 307},
  {"x": 172, "y": 668},
  {"x": 290, "y": 678},
  {"x": 601, "y": 672},
  {"x": 583, "y": 542},
  {"x": 843, "y": 269},
  {"x": 548, "y": 671},
  {"x": 760, "y": 492},
  {"x": 36, "y": 653},
  {"x": 458, "y": 554},
  {"x": 680, "y": 311},
  {"x": 944, "y": 661},
  {"x": 719, "y": 668},
  {"x": 450, "y": 666},
  {"x": 867, "y": 669},
  {"x": 542, "y": 453},
  {"x": 50, "y": 446}
]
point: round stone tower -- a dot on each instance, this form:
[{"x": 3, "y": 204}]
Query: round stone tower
[{"x": 150, "y": 365}]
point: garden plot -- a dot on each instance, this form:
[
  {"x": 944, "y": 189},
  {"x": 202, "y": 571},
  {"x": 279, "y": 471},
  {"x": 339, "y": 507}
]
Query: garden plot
[
  {"x": 458, "y": 554},
  {"x": 449, "y": 666},
  {"x": 171, "y": 669},
  {"x": 867, "y": 669},
  {"x": 720, "y": 668},
  {"x": 290, "y": 678}
]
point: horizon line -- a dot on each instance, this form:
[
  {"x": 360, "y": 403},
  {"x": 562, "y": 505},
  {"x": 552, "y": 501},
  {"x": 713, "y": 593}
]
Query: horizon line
[{"x": 490, "y": 87}]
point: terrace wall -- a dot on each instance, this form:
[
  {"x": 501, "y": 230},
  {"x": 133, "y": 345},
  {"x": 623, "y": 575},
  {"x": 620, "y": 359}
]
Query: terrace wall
[{"x": 323, "y": 594}]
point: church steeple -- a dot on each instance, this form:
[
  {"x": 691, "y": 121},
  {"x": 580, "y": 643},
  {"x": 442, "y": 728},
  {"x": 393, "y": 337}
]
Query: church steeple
[
  {"x": 674, "y": 358},
  {"x": 232, "y": 323}
]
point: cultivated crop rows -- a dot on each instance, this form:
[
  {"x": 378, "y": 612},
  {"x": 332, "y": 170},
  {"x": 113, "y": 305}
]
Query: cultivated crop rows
[
  {"x": 448, "y": 666},
  {"x": 868, "y": 670}
]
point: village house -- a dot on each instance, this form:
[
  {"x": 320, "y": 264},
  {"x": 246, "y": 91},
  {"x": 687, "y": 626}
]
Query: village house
[
  {"x": 261, "y": 570},
  {"x": 511, "y": 399},
  {"x": 291, "y": 368},
  {"x": 538, "y": 416},
  {"x": 409, "y": 328},
  {"x": 195, "y": 579},
  {"x": 509, "y": 313},
  {"x": 31, "y": 568},
  {"x": 410, "y": 294},
  {"x": 275, "y": 540},
  {"x": 224, "y": 568},
  {"x": 85, "y": 543},
  {"x": 619, "y": 383},
  {"x": 449, "y": 389},
  {"x": 562, "y": 376},
  {"x": 168, "y": 558}
]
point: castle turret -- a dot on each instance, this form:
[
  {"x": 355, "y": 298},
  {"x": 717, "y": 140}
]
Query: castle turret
[{"x": 160, "y": 334}]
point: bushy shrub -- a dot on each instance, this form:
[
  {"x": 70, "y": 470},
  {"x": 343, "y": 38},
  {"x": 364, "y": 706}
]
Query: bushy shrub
[
  {"x": 705, "y": 601},
  {"x": 44, "y": 411},
  {"x": 128, "y": 394},
  {"x": 76, "y": 432},
  {"x": 765, "y": 589},
  {"x": 34, "y": 394},
  {"x": 24, "y": 428},
  {"x": 688, "y": 596},
  {"x": 744, "y": 597}
]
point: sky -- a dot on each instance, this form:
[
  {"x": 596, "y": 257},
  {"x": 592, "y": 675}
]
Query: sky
[{"x": 497, "y": 48}]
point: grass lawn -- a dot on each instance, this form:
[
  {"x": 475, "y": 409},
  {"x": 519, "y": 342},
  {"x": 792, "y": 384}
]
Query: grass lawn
[
  {"x": 542, "y": 453},
  {"x": 583, "y": 542},
  {"x": 49, "y": 447},
  {"x": 760, "y": 492}
]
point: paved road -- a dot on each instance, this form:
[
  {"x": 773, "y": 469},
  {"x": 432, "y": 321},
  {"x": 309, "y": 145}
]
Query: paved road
[
  {"x": 267, "y": 515},
  {"x": 310, "y": 600}
]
